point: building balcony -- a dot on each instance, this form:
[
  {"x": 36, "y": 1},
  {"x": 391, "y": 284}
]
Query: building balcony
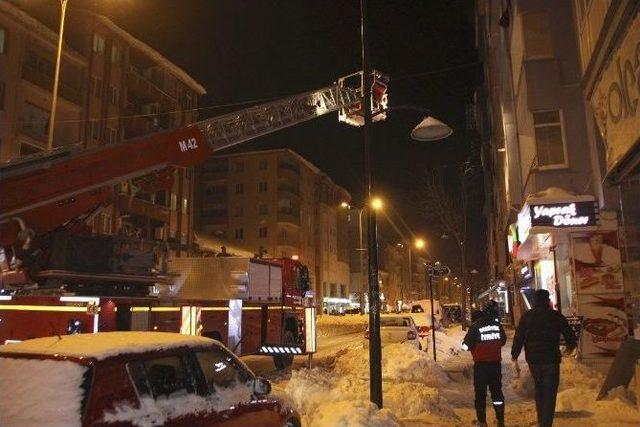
[
  {"x": 214, "y": 216},
  {"x": 145, "y": 88},
  {"x": 211, "y": 175},
  {"x": 143, "y": 208},
  {"x": 289, "y": 241},
  {"x": 289, "y": 215},
  {"x": 214, "y": 198},
  {"x": 284, "y": 166},
  {"x": 138, "y": 126},
  {"x": 36, "y": 132},
  {"x": 288, "y": 190},
  {"x": 66, "y": 90}
]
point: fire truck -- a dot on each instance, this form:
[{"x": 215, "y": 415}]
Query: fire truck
[{"x": 62, "y": 280}]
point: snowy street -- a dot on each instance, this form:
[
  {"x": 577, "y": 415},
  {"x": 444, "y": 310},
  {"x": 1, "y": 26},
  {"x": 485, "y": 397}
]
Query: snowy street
[{"x": 335, "y": 391}]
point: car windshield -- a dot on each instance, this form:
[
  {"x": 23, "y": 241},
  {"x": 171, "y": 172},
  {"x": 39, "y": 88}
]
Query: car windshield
[
  {"x": 393, "y": 321},
  {"x": 417, "y": 309}
]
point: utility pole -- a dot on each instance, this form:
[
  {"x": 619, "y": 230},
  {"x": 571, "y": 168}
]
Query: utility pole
[{"x": 375, "y": 350}]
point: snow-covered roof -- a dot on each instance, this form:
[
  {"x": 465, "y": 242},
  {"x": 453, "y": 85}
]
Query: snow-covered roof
[
  {"x": 154, "y": 55},
  {"x": 104, "y": 344},
  {"x": 557, "y": 195}
]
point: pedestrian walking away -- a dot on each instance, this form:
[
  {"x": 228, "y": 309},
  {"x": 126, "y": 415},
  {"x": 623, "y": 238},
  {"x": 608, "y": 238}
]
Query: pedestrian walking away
[
  {"x": 539, "y": 332},
  {"x": 484, "y": 339}
]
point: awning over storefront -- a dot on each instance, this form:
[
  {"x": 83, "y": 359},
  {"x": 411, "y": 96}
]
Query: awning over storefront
[{"x": 551, "y": 211}]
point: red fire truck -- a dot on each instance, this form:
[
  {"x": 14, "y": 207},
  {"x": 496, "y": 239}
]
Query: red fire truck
[{"x": 62, "y": 281}]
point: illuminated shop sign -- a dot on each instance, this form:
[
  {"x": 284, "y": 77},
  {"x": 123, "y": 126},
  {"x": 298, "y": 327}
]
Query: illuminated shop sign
[
  {"x": 577, "y": 214},
  {"x": 557, "y": 215}
]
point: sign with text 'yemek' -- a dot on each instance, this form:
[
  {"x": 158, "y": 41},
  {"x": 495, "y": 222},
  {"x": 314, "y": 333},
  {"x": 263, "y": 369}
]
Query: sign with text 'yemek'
[{"x": 583, "y": 214}]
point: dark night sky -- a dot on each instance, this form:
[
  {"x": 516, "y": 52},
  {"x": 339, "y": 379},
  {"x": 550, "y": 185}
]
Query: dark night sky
[{"x": 249, "y": 50}]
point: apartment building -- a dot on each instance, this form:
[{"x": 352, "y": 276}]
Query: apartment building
[
  {"x": 608, "y": 34},
  {"x": 550, "y": 226},
  {"x": 113, "y": 87},
  {"x": 274, "y": 203}
]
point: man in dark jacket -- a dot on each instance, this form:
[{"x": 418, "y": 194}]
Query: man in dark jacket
[
  {"x": 539, "y": 331},
  {"x": 485, "y": 338}
]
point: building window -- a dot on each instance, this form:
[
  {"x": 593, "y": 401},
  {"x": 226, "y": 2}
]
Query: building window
[
  {"x": 35, "y": 121},
  {"x": 174, "y": 201},
  {"x": 263, "y": 165},
  {"x": 115, "y": 54},
  {"x": 262, "y": 209},
  {"x": 3, "y": 41},
  {"x": 550, "y": 145},
  {"x": 262, "y": 187},
  {"x": 239, "y": 234},
  {"x": 262, "y": 232},
  {"x": 239, "y": 188},
  {"x": 185, "y": 205},
  {"x": 95, "y": 129},
  {"x": 113, "y": 95},
  {"x": 2, "y": 90},
  {"x": 28, "y": 149},
  {"x": 239, "y": 166},
  {"x": 113, "y": 135},
  {"x": 98, "y": 43},
  {"x": 96, "y": 87},
  {"x": 537, "y": 34},
  {"x": 239, "y": 211}
]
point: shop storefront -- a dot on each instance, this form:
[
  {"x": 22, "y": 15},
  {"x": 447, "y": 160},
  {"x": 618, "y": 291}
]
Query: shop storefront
[
  {"x": 615, "y": 101},
  {"x": 571, "y": 248}
]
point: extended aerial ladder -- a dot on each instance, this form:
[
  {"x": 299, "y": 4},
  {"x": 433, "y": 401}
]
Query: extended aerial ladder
[{"x": 61, "y": 189}]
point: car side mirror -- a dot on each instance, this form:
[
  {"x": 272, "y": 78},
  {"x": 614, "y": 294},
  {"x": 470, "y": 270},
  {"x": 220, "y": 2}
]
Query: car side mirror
[{"x": 261, "y": 386}]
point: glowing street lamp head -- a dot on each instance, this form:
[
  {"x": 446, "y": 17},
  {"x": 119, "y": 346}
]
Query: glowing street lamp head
[
  {"x": 377, "y": 204},
  {"x": 420, "y": 244},
  {"x": 344, "y": 205}
]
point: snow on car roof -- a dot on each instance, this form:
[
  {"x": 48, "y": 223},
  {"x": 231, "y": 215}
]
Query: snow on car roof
[{"x": 104, "y": 344}]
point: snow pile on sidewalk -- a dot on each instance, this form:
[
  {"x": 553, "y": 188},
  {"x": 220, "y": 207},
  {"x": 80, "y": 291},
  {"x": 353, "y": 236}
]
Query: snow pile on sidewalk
[
  {"x": 579, "y": 387},
  {"x": 577, "y": 392},
  {"x": 410, "y": 388}
]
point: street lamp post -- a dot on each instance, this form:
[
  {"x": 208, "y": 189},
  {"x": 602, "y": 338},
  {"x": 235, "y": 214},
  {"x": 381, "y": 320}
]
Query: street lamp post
[
  {"x": 375, "y": 204},
  {"x": 433, "y": 316},
  {"x": 56, "y": 77},
  {"x": 429, "y": 129}
]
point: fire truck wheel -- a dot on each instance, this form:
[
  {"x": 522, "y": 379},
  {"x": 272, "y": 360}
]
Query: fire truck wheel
[{"x": 283, "y": 361}]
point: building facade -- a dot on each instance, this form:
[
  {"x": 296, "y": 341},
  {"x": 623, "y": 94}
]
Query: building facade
[
  {"x": 551, "y": 224},
  {"x": 113, "y": 87},
  {"x": 608, "y": 34},
  {"x": 274, "y": 203}
]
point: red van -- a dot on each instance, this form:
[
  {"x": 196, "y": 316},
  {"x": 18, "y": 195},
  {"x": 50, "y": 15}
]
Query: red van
[{"x": 133, "y": 378}]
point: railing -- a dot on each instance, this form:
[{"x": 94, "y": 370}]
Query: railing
[
  {"x": 289, "y": 215},
  {"x": 33, "y": 131},
  {"x": 142, "y": 84},
  {"x": 289, "y": 166},
  {"x": 45, "y": 81},
  {"x": 283, "y": 188},
  {"x": 143, "y": 208}
]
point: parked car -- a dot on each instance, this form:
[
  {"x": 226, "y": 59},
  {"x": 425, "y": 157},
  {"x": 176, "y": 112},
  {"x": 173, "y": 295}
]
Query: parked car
[
  {"x": 133, "y": 378},
  {"x": 396, "y": 329},
  {"x": 420, "y": 312}
]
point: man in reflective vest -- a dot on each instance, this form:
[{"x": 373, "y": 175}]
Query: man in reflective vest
[{"x": 485, "y": 339}]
